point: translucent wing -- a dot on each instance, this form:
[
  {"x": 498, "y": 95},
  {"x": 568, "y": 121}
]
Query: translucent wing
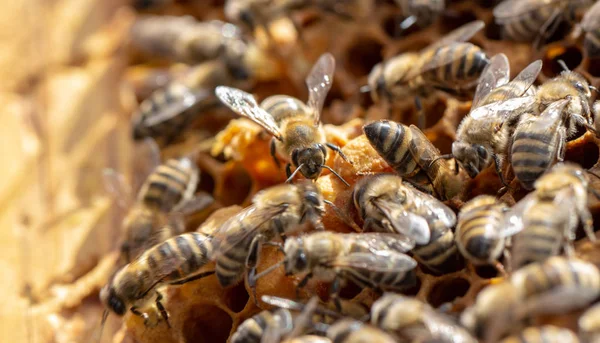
[
  {"x": 528, "y": 75},
  {"x": 239, "y": 228},
  {"x": 391, "y": 262},
  {"x": 303, "y": 321},
  {"x": 382, "y": 243},
  {"x": 176, "y": 106},
  {"x": 494, "y": 75},
  {"x": 319, "y": 82},
  {"x": 244, "y": 104},
  {"x": 502, "y": 110},
  {"x": 117, "y": 188},
  {"x": 560, "y": 300},
  {"x": 403, "y": 222},
  {"x": 591, "y": 19},
  {"x": 440, "y": 325},
  {"x": 510, "y": 9},
  {"x": 550, "y": 118},
  {"x": 461, "y": 34},
  {"x": 513, "y": 219},
  {"x": 197, "y": 203},
  {"x": 433, "y": 209},
  {"x": 421, "y": 148}
]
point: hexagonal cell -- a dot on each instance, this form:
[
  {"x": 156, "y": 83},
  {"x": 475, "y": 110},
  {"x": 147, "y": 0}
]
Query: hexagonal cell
[
  {"x": 206, "y": 323},
  {"x": 447, "y": 290},
  {"x": 362, "y": 55},
  {"x": 571, "y": 55}
]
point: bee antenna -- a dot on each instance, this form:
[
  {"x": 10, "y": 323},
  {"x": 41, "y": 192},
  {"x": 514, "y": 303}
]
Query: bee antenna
[
  {"x": 265, "y": 272},
  {"x": 336, "y": 174},
  {"x": 441, "y": 157},
  {"x": 289, "y": 179},
  {"x": 563, "y": 65},
  {"x": 102, "y": 323},
  {"x": 593, "y": 88},
  {"x": 365, "y": 89}
]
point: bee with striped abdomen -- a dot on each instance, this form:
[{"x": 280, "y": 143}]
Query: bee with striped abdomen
[
  {"x": 168, "y": 111},
  {"x": 368, "y": 259},
  {"x": 543, "y": 334},
  {"x": 298, "y": 135},
  {"x": 546, "y": 219},
  {"x": 538, "y": 142},
  {"x": 591, "y": 26},
  {"x": 535, "y": 20},
  {"x": 353, "y": 331},
  {"x": 483, "y": 135},
  {"x": 413, "y": 156},
  {"x": 173, "y": 262},
  {"x": 420, "y": 12},
  {"x": 589, "y": 324},
  {"x": 479, "y": 232},
  {"x": 449, "y": 64},
  {"x": 275, "y": 211},
  {"x": 411, "y": 319},
  {"x": 387, "y": 205}
]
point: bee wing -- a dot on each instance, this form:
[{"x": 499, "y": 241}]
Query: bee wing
[
  {"x": 501, "y": 110},
  {"x": 405, "y": 223},
  {"x": 509, "y": 9},
  {"x": 319, "y": 82},
  {"x": 494, "y": 75},
  {"x": 550, "y": 117},
  {"x": 388, "y": 262},
  {"x": 513, "y": 219},
  {"x": 117, "y": 188},
  {"x": 377, "y": 242},
  {"x": 528, "y": 75},
  {"x": 461, "y": 34},
  {"x": 421, "y": 148},
  {"x": 435, "y": 209},
  {"x": 244, "y": 104},
  {"x": 560, "y": 300},
  {"x": 591, "y": 19},
  {"x": 174, "y": 108},
  {"x": 246, "y": 223}
]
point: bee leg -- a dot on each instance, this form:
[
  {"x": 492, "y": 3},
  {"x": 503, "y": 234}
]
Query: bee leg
[
  {"x": 161, "y": 308},
  {"x": 339, "y": 151},
  {"x": 144, "y": 316},
  {"x": 288, "y": 170},
  {"x": 588, "y": 223},
  {"x": 252, "y": 262},
  {"x": 562, "y": 146},
  {"x": 193, "y": 278},
  {"x": 343, "y": 216},
  {"x": 334, "y": 293},
  {"x": 302, "y": 284},
  {"x": 500, "y": 268},
  {"x": 274, "y": 153},
  {"x": 422, "y": 120},
  {"x": 548, "y": 28},
  {"x": 498, "y": 165}
]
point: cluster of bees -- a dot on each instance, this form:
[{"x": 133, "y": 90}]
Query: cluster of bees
[{"x": 405, "y": 218}]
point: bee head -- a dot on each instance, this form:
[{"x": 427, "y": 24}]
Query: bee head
[
  {"x": 473, "y": 158},
  {"x": 296, "y": 260},
  {"x": 112, "y": 301},
  {"x": 310, "y": 160}
]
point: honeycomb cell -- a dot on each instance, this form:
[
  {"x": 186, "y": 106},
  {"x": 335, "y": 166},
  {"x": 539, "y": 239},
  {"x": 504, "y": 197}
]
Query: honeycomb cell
[
  {"x": 206, "y": 324},
  {"x": 571, "y": 55},
  {"x": 362, "y": 55},
  {"x": 447, "y": 290}
]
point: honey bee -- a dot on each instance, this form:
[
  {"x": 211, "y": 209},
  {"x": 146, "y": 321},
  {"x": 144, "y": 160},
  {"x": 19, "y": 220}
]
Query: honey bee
[
  {"x": 274, "y": 212},
  {"x": 353, "y": 331},
  {"x": 537, "y": 142},
  {"x": 167, "y": 191},
  {"x": 184, "y": 39},
  {"x": 535, "y": 20},
  {"x": 297, "y": 132},
  {"x": 420, "y": 12},
  {"x": 368, "y": 259},
  {"x": 591, "y": 26},
  {"x": 546, "y": 219},
  {"x": 413, "y": 156},
  {"x": 175, "y": 261},
  {"x": 450, "y": 64},
  {"x": 170, "y": 110},
  {"x": 557, "y": 285},
  {"x": 479, "y": 231},
  {"x": 589, "y": 324},
  {"x": 483, "y": 135},
  {"x": 410, "y": 319},
  {"x": 543, "y": 334},
  {"x": 387, "y": 205}
]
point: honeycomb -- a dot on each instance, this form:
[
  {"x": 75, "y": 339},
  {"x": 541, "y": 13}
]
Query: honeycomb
[{"x": 95, "y": 63}]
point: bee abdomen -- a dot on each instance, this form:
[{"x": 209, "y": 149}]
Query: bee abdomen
[
  {"x": 474, "y": 236},
  {"x": 536, "y": 243},
  {"x": 440, "y": 251},
  {"x": 166, "y": 186},
  {"x": 252, "y": 330},
  {"x": 232, "y": 262},
  {"x": 544, "y": 334},
  {"x": 461, "y": 71},
  {"x": 526, "y": 27},
  {"x": 391, "y": 140},
  {"x": 531, "y": 156}
]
